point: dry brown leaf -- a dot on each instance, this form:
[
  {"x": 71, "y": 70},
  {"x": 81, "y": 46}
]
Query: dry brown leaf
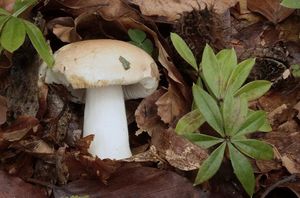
[
  {"x": 297, "y": 107},
  {"x": 179, "y": 152},
  {"x": 271, "y": 9},
  {"x": 172, "y": 105},
  {"x": 64, "y": 29},
  {"x": 7, "y": 4},
  {"x": 15, "y": 187},
  {"x": 288, "y": 148},
  {"x": 146, "y": 115},
  {"x": 3, "y": 110},
  {"x": 170, "y": 10},
  {"x": 134, "y": 182}
]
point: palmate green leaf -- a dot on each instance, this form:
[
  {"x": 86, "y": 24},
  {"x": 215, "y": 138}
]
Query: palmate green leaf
[
  {"x": 234, "y": 112},
  {"x": 183, "y": 50},
  {"x": 227, "y": 61},
  {"x": 136, "y": 35},
  {"x": 22, "y": 5},
  {"x": 190, "y": 122},
  {"x": 252, "y": 123},
  {"x": 242, "y": 169},
  {"x": 266, "y": 127},
  {"x": 208, "y": 108},
  {"x": 13, "y": 34},
  {"x": 4, "y": 12},
  {"x": 211, "y": 165},
  {"x": 255, "y": 89},
  {"x": 240, "y": 74},
  {"x": 254, "y": 148},
  {"x": 291, "y": 4},
  {"x": 147, "y": 46},
  {"x": 38, "y": 41},
  {"x": 202, "y": 140},
  {"x": 211, "y": 71}
]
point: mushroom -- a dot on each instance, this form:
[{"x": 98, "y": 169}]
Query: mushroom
[{"x": 109, "y": 71}]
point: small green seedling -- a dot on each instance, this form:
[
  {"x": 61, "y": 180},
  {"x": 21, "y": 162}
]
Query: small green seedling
[
  {"x": 296, "y": 70},
  {"x": 291, "y": 4},
  {"x": 224, "y": 106},
  {"x": 139, "y": 39},
  {"x": 14, "y": 30}
]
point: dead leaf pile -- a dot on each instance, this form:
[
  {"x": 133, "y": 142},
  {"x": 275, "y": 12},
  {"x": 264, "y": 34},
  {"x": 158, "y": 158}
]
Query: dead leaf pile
[{"x": 41, "y": 125}]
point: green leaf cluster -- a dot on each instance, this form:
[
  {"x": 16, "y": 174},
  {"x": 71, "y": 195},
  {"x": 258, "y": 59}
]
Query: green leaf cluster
[
  {"x": 295, "y": 70},
  {"x": 223, "y": 104},
  {"x": 139, "y": 39},
  {"x": 14, "y": 30},
  {"x": 291, "y": 4}
]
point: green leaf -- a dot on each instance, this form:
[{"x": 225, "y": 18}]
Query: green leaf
[
  {"x": 209, "y": 109},
  {"x": 211, "y": 71},
  {"x": 255, "y": 89},
  {"x": 13, "y": 34},
  {"x": 252, "y": 123},
  {"x": 234, "y": 112},
  {"x": 254, "y": 148},
  {"x": 242, "y": 169},
  {"x": 240, "y": 74},
  {"x": 266, "y": 127},
  {"x": 4, "y": 12},
  {"x": 190, "y": 122},
  {"x": 291, "y": 4},
  {"x": 211, "y": 165},
  {"x": 295, "y": 70},
  {"x": 202, "y": 140},
  {"x": 227, "y": 61},
  {"x": 38, "y": 41},
  {"x": 136, "y": 35},
  {"x": 183, "y": 50},
  {"x": 147, "y": 46},
  {"x": 22, "y": 5},
  {"x": 3, "y": 20}
]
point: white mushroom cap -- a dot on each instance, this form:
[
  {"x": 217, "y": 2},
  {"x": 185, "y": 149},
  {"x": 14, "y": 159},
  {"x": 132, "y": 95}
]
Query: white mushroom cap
[{"x": 103, "y": 62}]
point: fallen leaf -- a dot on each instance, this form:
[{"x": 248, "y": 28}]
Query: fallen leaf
[
  {"x": 146, "y": 115},
  {"x": 170, "y": 10},
  {"x": 7, "y": 4},
  {"x": 3, "y": 110},
  {"x": 179, "y": 152},
  {"x": 271, "y": 9},
  {"x": 15, "y": 187},
  {"x": 147, "y": 182},
  {"x": 64, "y": 28},
  {"x": 172, "y": 105}
]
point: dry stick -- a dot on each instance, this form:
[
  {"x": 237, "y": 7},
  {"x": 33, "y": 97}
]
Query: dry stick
[{"x": 272, "y": 187}]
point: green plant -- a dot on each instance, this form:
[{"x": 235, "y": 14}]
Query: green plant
[
  {"x": 224, "y": 106},
  {"x": 14, "y": 30},
  {"x": 295, "y": 70},
  {"x": 139, "y": 39},
  {"x": 291, "y": 4}
]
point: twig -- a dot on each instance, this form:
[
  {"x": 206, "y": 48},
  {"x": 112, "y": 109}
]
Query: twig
[{"x": 272, "y": 187}]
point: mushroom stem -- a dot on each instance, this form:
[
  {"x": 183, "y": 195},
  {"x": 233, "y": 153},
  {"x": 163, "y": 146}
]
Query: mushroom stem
[{"x": 105, "y": 116}]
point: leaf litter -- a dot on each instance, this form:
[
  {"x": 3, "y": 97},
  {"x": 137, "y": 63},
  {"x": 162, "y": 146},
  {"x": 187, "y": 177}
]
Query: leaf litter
[{"x": 41, "y": 130}]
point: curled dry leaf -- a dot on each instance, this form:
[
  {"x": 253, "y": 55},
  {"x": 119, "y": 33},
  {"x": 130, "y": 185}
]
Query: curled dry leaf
[
  {"x": 271, "y": 9},
  {"x": 3, "y": 110},
  {"x": 172, "y": 105},
  {"x": 288, "y": 148},
  {"x": 179, "y": 152},
  {"x": 170, "y": 10},
  {"x": 133, "y": 182},
  {"x": 64, "y": 28},
  {"x": 146, "y": 115},
  {"x": 21, "y": 127},
  {"x": 15, "y": 187}
]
